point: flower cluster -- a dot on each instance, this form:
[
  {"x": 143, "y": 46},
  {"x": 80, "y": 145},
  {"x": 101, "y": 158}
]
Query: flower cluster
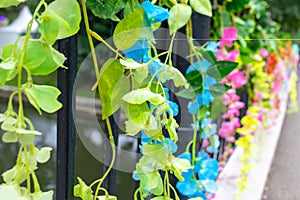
[{"x": 199, "y": 181}]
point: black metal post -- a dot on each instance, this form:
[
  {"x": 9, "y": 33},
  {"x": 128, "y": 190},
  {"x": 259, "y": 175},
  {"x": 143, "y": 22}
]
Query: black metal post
[{"x": 65, "y": 121}]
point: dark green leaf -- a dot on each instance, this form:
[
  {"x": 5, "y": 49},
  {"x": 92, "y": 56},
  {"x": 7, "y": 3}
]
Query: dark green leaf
[
  {"x": 217, "y": 90},
  {"x": 106, "y": 9},
  {"x": 221, "y": 69},
  {"x": 236, "y": 5}
]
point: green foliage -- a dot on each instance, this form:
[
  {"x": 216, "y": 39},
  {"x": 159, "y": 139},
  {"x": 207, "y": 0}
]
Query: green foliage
[
  {"x": 221, "y": 69},
  {"x": 179, "y": 16},
  {"x": 202, "y": 6},
  {"x": 128, "y": 31},
  {"x": 236, "y": 5},
  {"x": 7, "y": 3},
  {"x": 112, "y": 86},
  {"x": 107, "y": 9}
]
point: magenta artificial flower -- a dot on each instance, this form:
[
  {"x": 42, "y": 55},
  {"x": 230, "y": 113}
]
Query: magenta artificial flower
[{"x": 228, "y": 36}]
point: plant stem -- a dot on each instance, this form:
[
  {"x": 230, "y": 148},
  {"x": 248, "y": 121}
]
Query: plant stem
[
  {"x": 194, "y": 141},
  {"x": 112, "y": 143}
]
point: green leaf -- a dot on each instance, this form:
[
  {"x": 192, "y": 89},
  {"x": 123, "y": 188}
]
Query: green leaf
[
  {"x": 8, "y": 65},
  {"x": 10, "y": 192},
  {"x": 42, "y": 59},
  {"x": 236, "y": 5},
  {"x": 11, "y": 51},
  {"x": 171, "y": 127},
  {"x": 113, "y": 85},
  {"x": 202, "y": 6},
  {"x": 129, "y": 30},
  {"x": 44, "y": 154},
  {"x": 179, "y": 16},
  {"x": 49, "y": 24},
  {"x": 42, "y": 195},
  {"x": 156, "y": 152},
  {"x": 221, "y": 69},
  {"x": 133, "y": 111},
  {"x": 27, "y": 132},
  {"x": 140, "y": 96},
  {"x": 217, "y": 108},
  {"x": 43, "y": 97},
  {"x": 10, "y": 137},
  {"x": 82, "y": 190},
  {"x": 106, "y": 9},
  {"x": 175, "y": 75},
  {"x": 109, "y": 197},
  {"x": 9, "y": 175},
  {"x": 180, "y": 165},
  {"x": 5, "y": 75},
  {"x": 8, "y": 3},
  {"x": 26, "y": 139},
  {"x": 187, "y": 93},
  {"x": 131, "y": 6},
  {"x": 67, "y": 14},
  {"x": 131, "y": 64},
  {"x": 225, "y": 18},
  {"x": 218, "y": 89}
]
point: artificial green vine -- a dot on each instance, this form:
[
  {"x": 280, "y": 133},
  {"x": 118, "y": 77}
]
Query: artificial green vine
[{"x": 36, "y": 57}]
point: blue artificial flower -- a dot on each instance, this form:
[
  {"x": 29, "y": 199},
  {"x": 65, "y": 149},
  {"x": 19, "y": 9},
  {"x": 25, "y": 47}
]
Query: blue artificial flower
[
  {"x": 155, "y": 13},
  {"x": 295, "y": 49},
  {"x": 138, "y": 50},
  {"x": 154, "y": 66},
  {"x": 205, "y": 97},
  {"x": 214, "y": 144},
  {"x": 167, "y": 143},
  {"x": 206, "y": 169},
  {"x": 212, "y": 46},
  {"x": 172, "y": 104}
]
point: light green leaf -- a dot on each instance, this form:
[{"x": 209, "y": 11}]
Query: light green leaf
[
  {"x": 42, "y": 59},
  {"x": 175, "y": 75},
  {"x": 26, "y": 139},
  {"x": 131, "y": 64},
  {"x": 44, "y": 96},
  {"x": 49, "y": 24},
  {"x": 11, "y": 51},
  {"x": 130, "y": 6},
  {"x": 132, "y": 128},
  {"x": 82, "y": 190},
  {"x": 140, "y": 96},
  {"x": 171, "y": 127},
  {"x": 44, "y": 154},
  {"x": 202, "y": 6},
  {"x": 9, "y": 175},
  {"x": 10, "y": 137},
  {"x": 217, "y": 108},
  {"x": 179, "y": 16},
  {"x": 42, "y": 195},
  {"x": 24, "y": 131},
  {"x": 187, "y": 93},
  {"x": 156, "y": 152},
  {"x": 109, "y": 197},
  {"x": 8, "y": 65},
  {"x": 113, "y": 85},
  {"x": 5, "y": 75},
  {"x": 141, "y": 74},
  {"x": 2, "y": 117},
  {"x": 10, "y": 192},
  {"x": 67, "y": 14},
  {"x": 8, "y": 3},
  {"x": 129, "y": 29}
]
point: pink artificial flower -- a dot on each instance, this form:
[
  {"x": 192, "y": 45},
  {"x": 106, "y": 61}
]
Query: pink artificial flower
[
  {"x": 222, "y": 54},
  {"x": 263, "y": 53},
  {"x": 237, "y": 78},
  {"x": 229, "y": 35},
  {"x": 205, "y": 143}
]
